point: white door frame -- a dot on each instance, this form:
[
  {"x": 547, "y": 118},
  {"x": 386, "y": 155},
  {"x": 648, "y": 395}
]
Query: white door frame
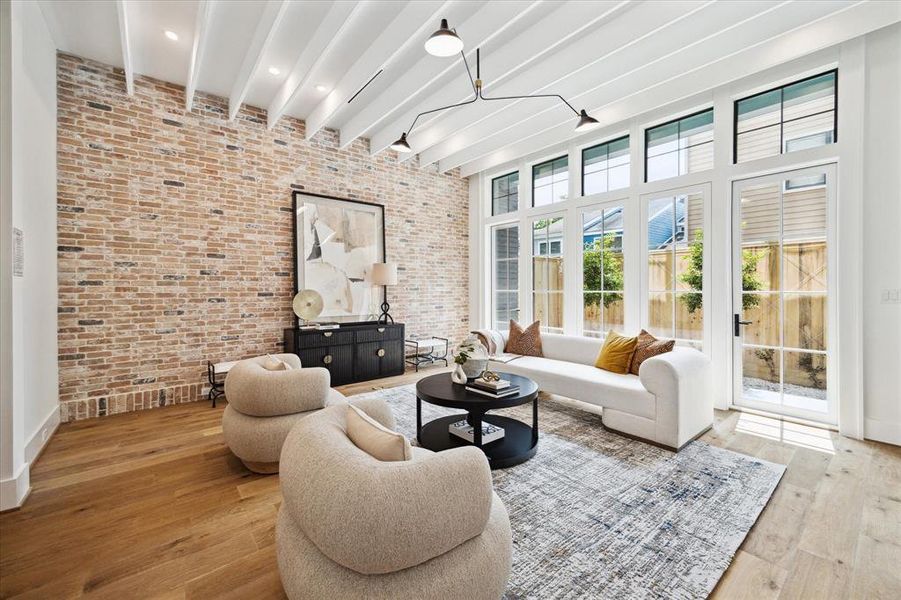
[{"x": 832, "y": 360}]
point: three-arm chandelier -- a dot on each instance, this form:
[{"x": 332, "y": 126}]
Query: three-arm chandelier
[{"x": 445, "y": 42}]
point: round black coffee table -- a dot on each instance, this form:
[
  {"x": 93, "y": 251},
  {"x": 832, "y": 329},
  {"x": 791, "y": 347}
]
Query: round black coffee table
[{"x": 520, "y": 441}]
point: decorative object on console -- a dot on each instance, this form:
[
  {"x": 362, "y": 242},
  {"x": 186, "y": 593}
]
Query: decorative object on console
[
  {"x": 526, "y": 342},
  {"x": 336, "y": 242},
  {"x": 445, "y": 43},
  {"x": 616, "y": 353},
  {"x": 307, "y": 305},
  {"x": 384, "y": 274},
  {"x": 471, "y": 356},
  {"x": 647, "y": 347}
]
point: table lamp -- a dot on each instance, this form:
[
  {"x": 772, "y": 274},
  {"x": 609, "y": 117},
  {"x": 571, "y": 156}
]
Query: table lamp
[{"x": 384, "y": 274}]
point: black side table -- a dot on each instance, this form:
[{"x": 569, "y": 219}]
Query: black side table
[{"x": 520, "y": 441}]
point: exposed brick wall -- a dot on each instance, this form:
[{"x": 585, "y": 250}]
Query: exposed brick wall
[{"x": 175, "y": 241}]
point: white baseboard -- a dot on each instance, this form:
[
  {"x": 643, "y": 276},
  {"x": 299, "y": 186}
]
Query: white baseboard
[
  {"x": 882, "y": 431},
  {"x": 14, "y": 490},
  {"x": 40, "y": 437}
]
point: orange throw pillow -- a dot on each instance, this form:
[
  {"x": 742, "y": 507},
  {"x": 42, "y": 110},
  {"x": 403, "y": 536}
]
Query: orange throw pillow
[
  {"x": 616, "y": 353},
  {"x": 524, "y": 341},
  {"x": 647, "y": 347}
]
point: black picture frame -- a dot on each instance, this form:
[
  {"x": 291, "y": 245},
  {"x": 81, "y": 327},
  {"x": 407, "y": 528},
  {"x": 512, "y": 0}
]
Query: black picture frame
[{"x": 295, "y": 206}]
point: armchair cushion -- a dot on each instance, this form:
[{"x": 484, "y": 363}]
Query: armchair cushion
[
  {"x": 253, "y": 390},
  {"x": 375, "y": 439}
]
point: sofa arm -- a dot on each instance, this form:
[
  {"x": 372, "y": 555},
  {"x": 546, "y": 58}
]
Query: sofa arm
[
  {"x": 380, "y": 517},
  {"x": 681, "y": 382},
  {"x": 252, "y": 390}
]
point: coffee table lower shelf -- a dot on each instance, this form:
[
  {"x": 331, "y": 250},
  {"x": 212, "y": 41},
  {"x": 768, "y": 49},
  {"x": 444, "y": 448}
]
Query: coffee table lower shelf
[{"x": 519, "y": 444}]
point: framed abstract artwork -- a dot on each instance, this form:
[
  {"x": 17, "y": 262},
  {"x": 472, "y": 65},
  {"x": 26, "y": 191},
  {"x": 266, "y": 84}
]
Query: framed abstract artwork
[{"x": 336, "y": 242}]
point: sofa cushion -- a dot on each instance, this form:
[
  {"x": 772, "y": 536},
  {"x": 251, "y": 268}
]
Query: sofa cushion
[
  {"x": 647, "y": 347},
  {"x": 586, "y": 383},
  {"x": 373, "y": 438},
  {"x": 524, "y": 341},
  {"x": 616, "y": 354}
]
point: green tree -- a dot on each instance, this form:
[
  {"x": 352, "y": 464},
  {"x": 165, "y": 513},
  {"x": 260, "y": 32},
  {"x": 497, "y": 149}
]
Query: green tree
[
  {"x": 603, "y": 268},
  {"x": 694, "y": 276}
]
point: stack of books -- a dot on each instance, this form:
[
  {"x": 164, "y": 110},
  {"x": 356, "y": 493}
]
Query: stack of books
[
  {"x": 493, "y": 389},
  {"x": 490, "y": 433}
]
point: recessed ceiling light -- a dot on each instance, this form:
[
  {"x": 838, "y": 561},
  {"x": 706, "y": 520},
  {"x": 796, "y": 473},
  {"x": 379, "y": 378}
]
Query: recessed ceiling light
[
  {"x": 171, "y": 35},
  {"x": 321, "y": 88},
  {"x": 274, "y": 70}
]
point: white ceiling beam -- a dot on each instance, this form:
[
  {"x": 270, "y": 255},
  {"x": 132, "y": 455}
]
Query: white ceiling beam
[
  {"x": 415, "y": 21},
  {"x": 273, "y": 12},
  {"x": 490, "y": 20},
  {"x": 201, "y": 34},
  {"x": 725, "y": 30},
  {"x": 815, "y": 34},
  {"x": 126, "y": 47},
  {"x": 570, "y": 22},
  {"x": 647, "y": 32},
  {"x": 335, "y": 23}
]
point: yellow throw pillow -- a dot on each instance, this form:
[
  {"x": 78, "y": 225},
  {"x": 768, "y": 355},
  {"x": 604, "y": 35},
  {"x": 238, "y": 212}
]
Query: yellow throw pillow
[
  {"x": 372, "y": 437},
  {"x": 616, "y": 354}
]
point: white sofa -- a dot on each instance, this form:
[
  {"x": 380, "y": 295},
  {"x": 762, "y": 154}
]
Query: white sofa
[{"x": 669, "y": 403}]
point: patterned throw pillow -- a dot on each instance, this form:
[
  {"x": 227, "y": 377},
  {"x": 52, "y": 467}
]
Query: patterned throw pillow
[
  {"x": 524, "y": 341},
  {"x": 647, "y": 347}
]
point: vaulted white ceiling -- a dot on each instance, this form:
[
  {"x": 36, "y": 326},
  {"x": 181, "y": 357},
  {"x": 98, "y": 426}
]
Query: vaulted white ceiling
[{"x": 308, "y": 59}]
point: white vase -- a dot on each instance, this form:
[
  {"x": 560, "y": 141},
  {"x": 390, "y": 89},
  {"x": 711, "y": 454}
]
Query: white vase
[{"x": 458, "y": 376}]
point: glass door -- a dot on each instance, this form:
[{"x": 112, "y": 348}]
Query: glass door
[{"x": 782, "y": 271}]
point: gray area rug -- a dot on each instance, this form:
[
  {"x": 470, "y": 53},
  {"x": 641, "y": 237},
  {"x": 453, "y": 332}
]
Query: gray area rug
[{"x": 598, "y": 515}]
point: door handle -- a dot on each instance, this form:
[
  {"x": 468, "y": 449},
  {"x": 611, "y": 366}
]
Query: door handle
[{"x": 738, "y": 323}]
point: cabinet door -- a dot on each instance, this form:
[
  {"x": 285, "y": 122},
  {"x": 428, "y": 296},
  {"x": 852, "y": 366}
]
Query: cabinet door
[
  {"x": 367, "y": 361},
  {"x": 392, "y": 363},
  {"x": 341, "y": 365}
]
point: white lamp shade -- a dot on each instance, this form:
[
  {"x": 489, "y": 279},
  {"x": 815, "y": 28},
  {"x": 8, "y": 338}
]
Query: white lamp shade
[{"x": 384, "y": 274}]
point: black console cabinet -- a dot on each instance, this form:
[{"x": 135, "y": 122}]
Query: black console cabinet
[{"x": 354, "y": 352}]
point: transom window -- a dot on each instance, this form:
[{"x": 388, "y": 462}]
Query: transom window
[
  {"x": 793, "y": 117},
  {"x": 602, "y": 271},
  {"x": 550, "y": 181},
  {"x": 679, "y": 147},
  {"x": 505, "y": 194},
  {"x": 605, "y": 167}
]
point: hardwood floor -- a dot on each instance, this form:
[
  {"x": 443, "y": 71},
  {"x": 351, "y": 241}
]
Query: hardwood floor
[{"x": 153, "y": 505}]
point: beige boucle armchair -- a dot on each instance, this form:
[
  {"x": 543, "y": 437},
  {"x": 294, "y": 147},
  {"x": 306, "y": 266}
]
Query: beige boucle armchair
[
  {"x": 351, "y": 526},
  {"x": 264, "y": 405}
]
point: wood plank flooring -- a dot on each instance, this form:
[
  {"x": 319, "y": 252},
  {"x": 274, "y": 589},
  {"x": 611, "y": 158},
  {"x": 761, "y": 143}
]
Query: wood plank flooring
[{"x": 153, "y": 505}]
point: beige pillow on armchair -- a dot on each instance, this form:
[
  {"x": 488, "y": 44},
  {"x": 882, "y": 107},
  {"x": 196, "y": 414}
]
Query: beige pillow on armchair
[{"x": 374, "y": 439}]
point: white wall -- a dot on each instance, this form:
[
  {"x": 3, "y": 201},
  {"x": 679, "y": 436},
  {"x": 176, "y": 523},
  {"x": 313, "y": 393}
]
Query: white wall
[
  {"x": 882, "y": 236},
  {"x": 30, "y": 408}
]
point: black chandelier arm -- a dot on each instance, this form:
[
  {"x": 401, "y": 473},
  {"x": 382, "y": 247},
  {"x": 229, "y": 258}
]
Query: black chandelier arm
[
  {"x": 434, "y": 110},
  {"x": 475, "y": 92},
  {"x": 558, "y": 96}
]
